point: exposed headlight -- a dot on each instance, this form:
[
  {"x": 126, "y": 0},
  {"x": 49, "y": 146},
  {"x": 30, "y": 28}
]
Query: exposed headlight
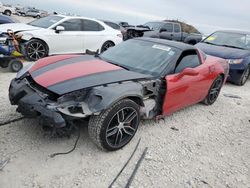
[
  {"x": 119, "y": 35},
  {"x": 24, "y": 70},
  {"x": 26, "y": 36},
  {"x": 234, "y": 61}
]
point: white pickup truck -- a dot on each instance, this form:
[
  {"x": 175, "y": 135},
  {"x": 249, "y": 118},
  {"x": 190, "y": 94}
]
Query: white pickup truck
[{"x": 7, "y": 10}]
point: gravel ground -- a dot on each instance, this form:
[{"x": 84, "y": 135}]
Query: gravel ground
[
  {"x": 200, "y": 146},
  {"x": 208, "y": 147}
]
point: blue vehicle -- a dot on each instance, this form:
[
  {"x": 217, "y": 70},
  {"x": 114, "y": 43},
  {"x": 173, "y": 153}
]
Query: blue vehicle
[
  {"x": 5, "y": 19},
  {"x": 234, "y": 46}
]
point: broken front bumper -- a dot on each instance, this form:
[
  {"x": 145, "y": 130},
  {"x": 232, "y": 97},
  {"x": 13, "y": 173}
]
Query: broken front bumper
[{"x": 34, "y": 103}]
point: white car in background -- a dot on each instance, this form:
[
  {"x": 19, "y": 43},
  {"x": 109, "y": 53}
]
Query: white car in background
[
  {"x": 59, "y": 34},
  {"x": 7, "y": 9}
]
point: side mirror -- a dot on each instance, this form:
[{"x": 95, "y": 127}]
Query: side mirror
[
  {"x": 163, "y": 30},
  {"x": 186, "y": 72},
  {"x": 59, "y": 28}
]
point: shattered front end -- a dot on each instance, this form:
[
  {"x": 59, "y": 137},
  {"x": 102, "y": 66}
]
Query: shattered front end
[{"x": 33, "y": 101}]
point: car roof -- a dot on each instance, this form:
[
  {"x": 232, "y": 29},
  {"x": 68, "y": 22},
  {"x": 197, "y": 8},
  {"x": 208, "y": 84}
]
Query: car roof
[
  {"x": 235, "y": 31},
  {"x": 180, "y": 45},
  {"x": 77, "y": 17}
]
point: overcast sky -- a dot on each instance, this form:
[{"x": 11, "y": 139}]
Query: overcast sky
[{"x": 206, "y": 15}]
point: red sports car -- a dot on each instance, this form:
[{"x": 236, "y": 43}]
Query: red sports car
[{"x": 140, "y": 78}]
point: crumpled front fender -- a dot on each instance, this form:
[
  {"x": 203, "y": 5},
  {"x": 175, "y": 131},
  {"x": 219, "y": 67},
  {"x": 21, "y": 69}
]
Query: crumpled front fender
[{"x": 101, "y": 98}]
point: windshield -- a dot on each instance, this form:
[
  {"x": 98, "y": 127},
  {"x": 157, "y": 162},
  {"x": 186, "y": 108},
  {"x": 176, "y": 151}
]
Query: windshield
[
  {"x": 154, "y": 25},
  {"x": 234, "y": 40},
  {"x": 141, "y": 56},
  {"x": 46, "y": 22}
]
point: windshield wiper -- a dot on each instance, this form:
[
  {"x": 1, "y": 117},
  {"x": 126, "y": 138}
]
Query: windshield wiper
[
  {"x": 229, "y": 46},
  {"x": 111, "y": 62},
  {"x": 210, "y": 43},
  {"x": 126, "y": 68}
]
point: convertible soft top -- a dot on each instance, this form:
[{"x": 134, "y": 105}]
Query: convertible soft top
[{"x": 179, "y": 45}]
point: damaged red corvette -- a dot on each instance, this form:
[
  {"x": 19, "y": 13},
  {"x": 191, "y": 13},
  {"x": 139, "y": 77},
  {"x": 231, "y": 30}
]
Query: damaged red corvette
[{"x": 138, "y": 79}]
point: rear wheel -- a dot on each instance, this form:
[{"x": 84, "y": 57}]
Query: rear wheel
[
  {"x": 107, "y": 45},
  {"x": 192, "y": 42},
  {"x": 7, "y": 12},
  {"x": 15, "y": 65},
  {"x": 214, "y": 91},
  {"x": 244, "y": 76},
  {"x": 36, "y": 49},
  {"x": 116, "y": 126}
]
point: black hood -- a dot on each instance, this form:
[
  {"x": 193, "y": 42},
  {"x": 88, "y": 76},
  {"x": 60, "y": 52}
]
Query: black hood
[
  {"x": 223, "y": 52},
  {"x": 93, "y": 80}
]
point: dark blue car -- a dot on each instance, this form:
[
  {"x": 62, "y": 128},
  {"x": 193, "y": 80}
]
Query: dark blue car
[
  {"x": 234, "y": 46},
  {"x": 5, "y": 19}
]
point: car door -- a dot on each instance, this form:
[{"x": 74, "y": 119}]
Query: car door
[
  {"x": 177, "y": 32},
  {"x": 94, "y": 35},
  {"x": 68, "y": 41},
  {"x": 166, "y": 31},
  {"x": 188, "y": 85}
]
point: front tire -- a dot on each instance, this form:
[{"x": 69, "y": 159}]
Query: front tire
[
  {"x": 7, "y": 12},
  {"x": 214, "y": 91},
  {"x": 244, "y": 76},
  {"x": 116, "y": 126},
  {"x": 36, "y": 49}
]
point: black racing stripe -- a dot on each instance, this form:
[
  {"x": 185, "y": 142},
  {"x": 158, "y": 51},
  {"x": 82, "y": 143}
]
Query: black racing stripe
[
  {"x": 61, "y": 63},
  {"x": 95, "y": 80}
]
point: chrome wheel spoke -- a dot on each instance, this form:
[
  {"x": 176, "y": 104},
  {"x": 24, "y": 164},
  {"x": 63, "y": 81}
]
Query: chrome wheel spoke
[
  {"x": 120, "y": 116},
  {"x": 127, "y": 132},
  {"x": 130, "y": 117},
  {"x": 112, "y": 131},
  {"x": 130, "y": 128},
  {"x": 118, "y": 138}
]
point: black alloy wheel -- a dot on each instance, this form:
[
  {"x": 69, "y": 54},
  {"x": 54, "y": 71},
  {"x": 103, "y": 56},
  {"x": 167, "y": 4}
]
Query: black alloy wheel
[
  {"x": 122, "y": 127},
  {"x": 116, "y": 126},
  {"x": 36, "y": 49}
]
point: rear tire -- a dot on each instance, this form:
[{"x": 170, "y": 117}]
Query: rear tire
[
  {"x": 214, "y": 91},
  {"x": 15, "y": 65},
  {"x": 116, "y": 126},
  {"x": 107, "y": 45}
]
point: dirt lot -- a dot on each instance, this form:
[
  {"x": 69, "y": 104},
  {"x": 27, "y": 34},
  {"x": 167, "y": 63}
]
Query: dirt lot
[
  {"x": 200, "y": 146},
  {"x": 209, "y": 149}
]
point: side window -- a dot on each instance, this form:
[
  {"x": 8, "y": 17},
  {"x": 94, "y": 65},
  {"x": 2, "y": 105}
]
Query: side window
[
  {"x": 113, "y": 25},
  {"x": 72, "y": 25},
  {"x": 177, "y": 28},
  {"x": 89, "y": 25},
  {"x": 168, "y": 27},
  {"x": 248, "y": 41},
  {"x": 188, "y": 61}
]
